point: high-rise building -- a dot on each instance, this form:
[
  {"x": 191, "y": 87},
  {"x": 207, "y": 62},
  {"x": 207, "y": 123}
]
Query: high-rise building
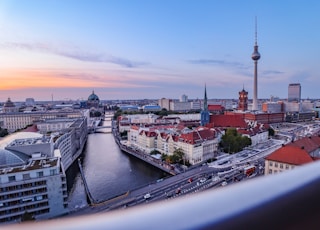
[
  {"x": 294, "y": 92},
  {"x": 184, "y": 98},
  {"x": 255, "y": 57},
  {"x": 164, "y": 103}
]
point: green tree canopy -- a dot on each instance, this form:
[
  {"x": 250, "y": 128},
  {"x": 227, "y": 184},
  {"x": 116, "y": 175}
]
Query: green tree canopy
[{"x": 233, "y": 142}]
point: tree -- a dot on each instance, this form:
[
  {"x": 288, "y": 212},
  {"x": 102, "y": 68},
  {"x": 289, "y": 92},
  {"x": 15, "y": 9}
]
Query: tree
[
  {"x": 271, "y": 132},
  {"x": 117, "y": 114},
  {"x": 26, "y": 216},
  {"x": 163, "y": 112},
  {"x": 233, "y": 142},
  {"x": 176, "y": 157},
  {"x": 154, "y": 152}
]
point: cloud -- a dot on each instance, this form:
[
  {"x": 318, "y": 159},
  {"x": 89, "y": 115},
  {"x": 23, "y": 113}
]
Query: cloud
[
  {"x": 73, "y": 53},
  {"x": 273, "y": 72},
  {"x": 218, "y": 63}
]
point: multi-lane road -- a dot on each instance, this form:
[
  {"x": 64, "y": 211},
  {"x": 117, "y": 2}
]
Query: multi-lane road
[
  {"x": 227, "y": 169},
  {"x": 192, "y": 181}
]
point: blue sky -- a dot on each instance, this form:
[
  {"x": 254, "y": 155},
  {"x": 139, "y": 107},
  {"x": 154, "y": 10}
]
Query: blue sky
[{"x": 137, "y": 49}]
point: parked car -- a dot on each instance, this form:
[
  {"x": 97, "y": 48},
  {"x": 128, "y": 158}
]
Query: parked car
[{"x": 147, "y": 196}]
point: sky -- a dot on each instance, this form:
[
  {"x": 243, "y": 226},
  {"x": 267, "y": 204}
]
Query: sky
[{"x": 142, "y": 49}]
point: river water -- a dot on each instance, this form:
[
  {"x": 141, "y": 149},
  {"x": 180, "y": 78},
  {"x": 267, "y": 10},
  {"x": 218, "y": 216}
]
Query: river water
[{"x": 109, "y": 172}]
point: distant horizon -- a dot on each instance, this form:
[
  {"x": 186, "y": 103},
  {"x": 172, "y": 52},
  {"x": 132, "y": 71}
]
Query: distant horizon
[
  {"x": 156, "y": 99},
  {"x": 144, "y": 49}
]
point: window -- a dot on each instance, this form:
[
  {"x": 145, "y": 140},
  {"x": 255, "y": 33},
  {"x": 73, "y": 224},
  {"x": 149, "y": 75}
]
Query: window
[
  {"x": 270, "y": 171},
  {"x": 270, "y": 163},
  {"x": 281, "y": 166},
  {"x": 276, "y": 165},
  {"x": 52, "y": 172},
  {"x": 12, "y": 178},
  {"x": 40, "y": 174},
  {"x": 26, "y": 176}
]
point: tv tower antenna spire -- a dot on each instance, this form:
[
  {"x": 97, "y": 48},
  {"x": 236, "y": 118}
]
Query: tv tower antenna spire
[{"x": 255, "y": 57}]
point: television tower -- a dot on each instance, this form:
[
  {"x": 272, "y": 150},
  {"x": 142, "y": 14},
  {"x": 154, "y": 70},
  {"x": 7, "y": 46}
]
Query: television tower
[{"x": 255, "y": 57}]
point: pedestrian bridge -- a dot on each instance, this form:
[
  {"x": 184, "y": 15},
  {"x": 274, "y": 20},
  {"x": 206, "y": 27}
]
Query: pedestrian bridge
[{"x": 99, "y": 129}]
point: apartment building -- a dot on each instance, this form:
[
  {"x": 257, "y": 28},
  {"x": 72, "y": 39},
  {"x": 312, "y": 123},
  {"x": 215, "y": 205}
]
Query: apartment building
[
  {"x": 293, "y": 154},
  {"x": 198, "y": 145},
  {"x": 36, "y": 185}
]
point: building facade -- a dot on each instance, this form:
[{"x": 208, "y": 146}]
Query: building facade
[
  {"x": 243, "y": 100},
  {"x": 294, "y": 92},
  {"x": 18, "y": 120},
  {"x": 198, "y": 145},
  {"x": 294, "y": 154},
  {"x": 37, "y": 187},
  {"x": 164, "y": 103}
]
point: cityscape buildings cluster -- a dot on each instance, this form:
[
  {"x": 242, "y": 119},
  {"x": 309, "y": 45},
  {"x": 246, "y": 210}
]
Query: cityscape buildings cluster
[{"x": 34, "y": 164}]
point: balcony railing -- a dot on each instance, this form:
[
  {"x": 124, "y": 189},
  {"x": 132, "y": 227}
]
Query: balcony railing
[{"x": 289, "y": 200}]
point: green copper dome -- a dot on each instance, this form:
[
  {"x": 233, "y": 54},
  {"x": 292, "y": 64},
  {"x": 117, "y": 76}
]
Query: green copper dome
[{"x": 93, "y": 97}]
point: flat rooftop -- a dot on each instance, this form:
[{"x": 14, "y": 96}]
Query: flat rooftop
[{"x": 32, "y": 165}]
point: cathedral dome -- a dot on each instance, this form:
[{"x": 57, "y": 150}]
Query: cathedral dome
[
  {"x": 93, "y": 97},
  {"x": 8, "y": 103}
]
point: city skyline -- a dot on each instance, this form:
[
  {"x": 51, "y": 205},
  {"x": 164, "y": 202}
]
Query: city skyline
[{"x": 141, "y": 49}]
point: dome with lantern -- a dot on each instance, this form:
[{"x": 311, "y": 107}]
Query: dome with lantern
[{"x": 93, "y": 100}]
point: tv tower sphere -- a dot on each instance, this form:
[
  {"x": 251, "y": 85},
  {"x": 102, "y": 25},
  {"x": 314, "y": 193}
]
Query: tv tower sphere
[{"x": 255, "y": 55}]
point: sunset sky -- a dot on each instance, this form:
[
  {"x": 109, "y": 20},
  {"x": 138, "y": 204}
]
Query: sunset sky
[{"x": 136, "y": 49}]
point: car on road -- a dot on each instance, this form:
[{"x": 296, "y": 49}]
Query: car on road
[
  {"x": 224, "y": 183},
  {"x": 190, "y": 180},
  {"x": 147, "y": 196},
  {"x": 216, "y": 178},
  {"x": 203, "y": 180}
]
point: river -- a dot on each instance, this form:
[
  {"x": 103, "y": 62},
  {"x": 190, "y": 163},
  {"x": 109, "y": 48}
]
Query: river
[{"x": 109, "y": 172}]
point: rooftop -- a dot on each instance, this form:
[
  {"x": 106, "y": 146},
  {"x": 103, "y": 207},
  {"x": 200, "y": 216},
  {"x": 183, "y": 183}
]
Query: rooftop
[
  {"x": 32, "y": 165},
  {"x": 293, "y": 155}
]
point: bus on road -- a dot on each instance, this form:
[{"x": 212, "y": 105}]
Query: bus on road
[{"x": 249, "y": 170}]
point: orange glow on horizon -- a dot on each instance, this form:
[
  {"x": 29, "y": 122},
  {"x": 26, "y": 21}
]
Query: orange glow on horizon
[{"x": 22, "y": 79}]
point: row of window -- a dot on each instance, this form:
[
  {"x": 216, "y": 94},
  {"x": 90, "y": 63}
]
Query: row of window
[
  {"x": 26, "y": 176},
  {"x": 22, "y": 194},
  {"x": 280, "y": 165},
  {"x": 22, "y": 186}
]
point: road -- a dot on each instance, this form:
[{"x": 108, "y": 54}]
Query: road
[{"x": 192, "y": 181}]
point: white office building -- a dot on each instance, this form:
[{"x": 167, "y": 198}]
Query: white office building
[{"x": 32, "y": 183}]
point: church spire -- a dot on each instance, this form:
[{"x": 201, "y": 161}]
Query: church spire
[
  {"x": 205, "y": 115},
  {"x": 205, "y": 101}
]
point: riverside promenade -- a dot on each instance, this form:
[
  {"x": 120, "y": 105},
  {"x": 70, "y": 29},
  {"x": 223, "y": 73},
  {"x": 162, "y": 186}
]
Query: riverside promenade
[{"x": 164, "y": 166}]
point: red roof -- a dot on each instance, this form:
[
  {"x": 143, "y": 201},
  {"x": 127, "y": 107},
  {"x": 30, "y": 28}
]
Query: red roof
[
  {"x": 233, "y": 120},
  {"x": 134, "y": 127},
  {"x": 291, "y": 155},
  {"x": 215, "y": 107},
  {"x": 200, "y": 134},
  {"x": 310, "y": 144}
]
